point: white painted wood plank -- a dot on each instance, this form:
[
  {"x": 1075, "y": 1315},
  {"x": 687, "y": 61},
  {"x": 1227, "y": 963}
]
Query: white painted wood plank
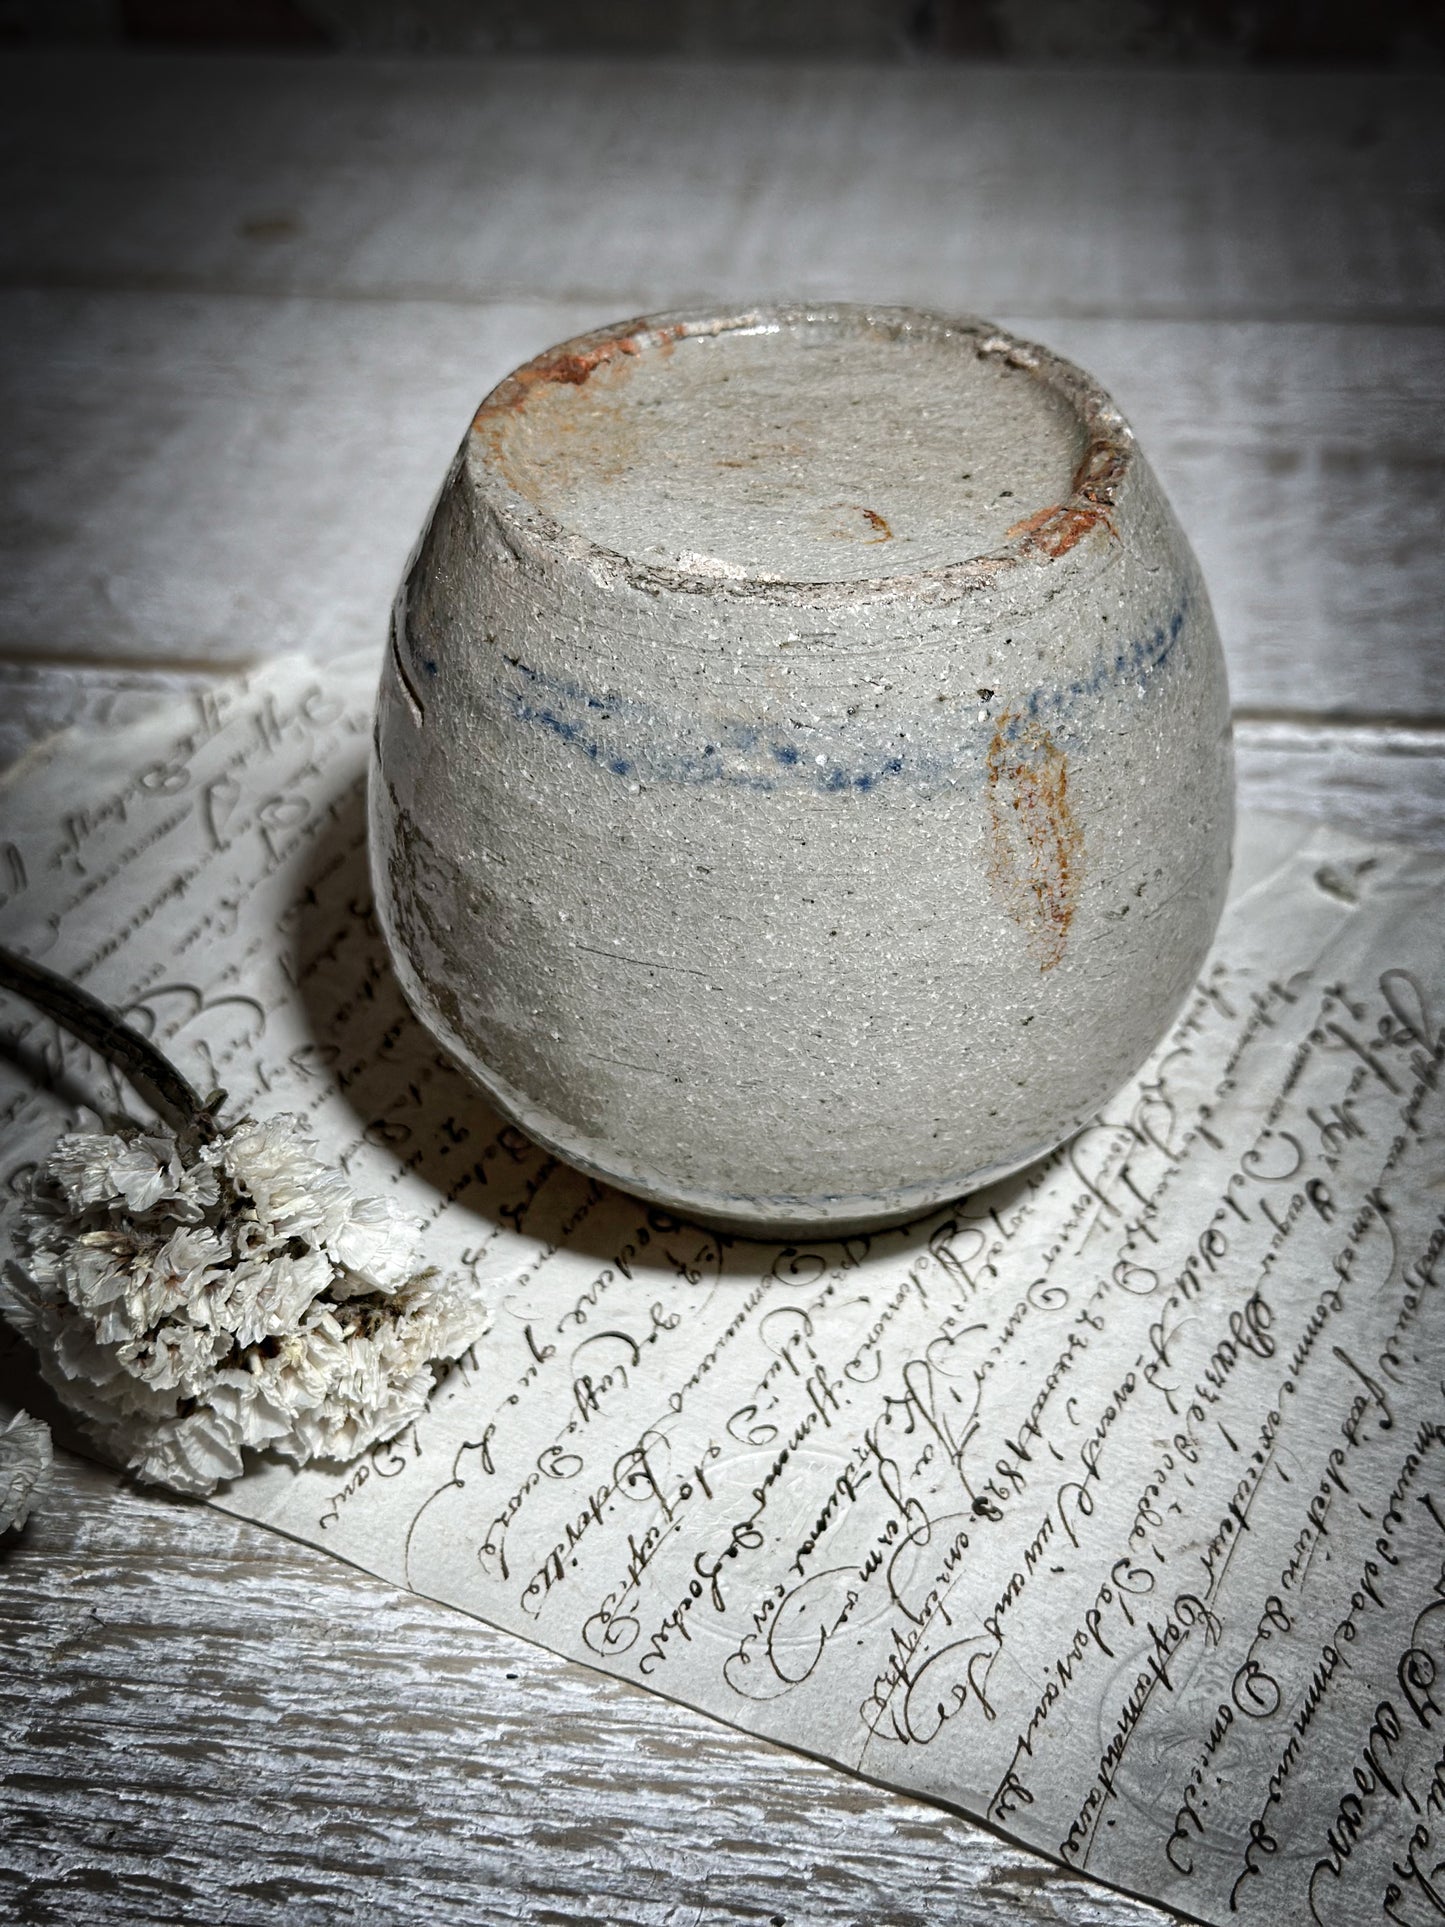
[
  {"x": 1167, "y": 194},
  {"x": 203, "y": 479},
  {"x": 1386, "y": 783},
  {"x": 202, "y": 1722},
  {"x": 212, "y": 478},
  {"x": 198, "y": 480},
  {"x": 1306, "y": 465}
]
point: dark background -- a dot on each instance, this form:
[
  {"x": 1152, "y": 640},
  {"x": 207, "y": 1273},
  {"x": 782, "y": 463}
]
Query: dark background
[{"x": 1311, "y": 33}]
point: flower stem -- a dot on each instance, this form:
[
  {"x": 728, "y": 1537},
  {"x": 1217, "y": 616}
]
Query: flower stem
[{"x": 147, "y": 1069}]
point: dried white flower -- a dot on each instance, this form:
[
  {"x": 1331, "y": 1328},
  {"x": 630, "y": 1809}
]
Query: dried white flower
[
  {"x": 25, "y": 1457},
  {"x": 192, "y": 1300}
]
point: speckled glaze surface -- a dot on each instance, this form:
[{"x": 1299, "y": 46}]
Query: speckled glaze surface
[{"x": 802, "y": 787}]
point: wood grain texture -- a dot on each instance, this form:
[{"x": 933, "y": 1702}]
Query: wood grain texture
[
  {"x": 202, "y": 478},
  {"x": 250, "y": 305},
  {"x": 203, "y": 1722},
  {"x": 1387, "y": 783},
  {"x": 1185, "y": 195},
  {"x": 219, "y": 477}
]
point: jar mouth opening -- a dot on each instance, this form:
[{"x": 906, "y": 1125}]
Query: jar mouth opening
[{"x": 802, "y": 452}]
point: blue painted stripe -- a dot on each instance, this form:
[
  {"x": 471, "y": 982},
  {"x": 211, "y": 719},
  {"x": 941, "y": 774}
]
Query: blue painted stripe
[{"x": 634, "y": 741}]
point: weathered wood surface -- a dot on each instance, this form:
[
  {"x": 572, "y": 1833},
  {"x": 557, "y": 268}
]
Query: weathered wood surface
[
  {"x": 1185, "y": 195},
  {"x": 1387, "y": 783},
  {"x": 205, "y": 1723},
  {"x": 218, "y": 477},
  {"x": 248, "y": 308}
]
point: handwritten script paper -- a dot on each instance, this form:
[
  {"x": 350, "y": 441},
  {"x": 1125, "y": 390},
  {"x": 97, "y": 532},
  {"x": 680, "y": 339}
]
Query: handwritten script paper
[{"x": 1109, "y": 1505}]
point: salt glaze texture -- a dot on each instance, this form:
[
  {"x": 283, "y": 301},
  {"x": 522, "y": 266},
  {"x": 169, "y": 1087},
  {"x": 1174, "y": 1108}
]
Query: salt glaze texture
[{"x": 802, "y": 786}]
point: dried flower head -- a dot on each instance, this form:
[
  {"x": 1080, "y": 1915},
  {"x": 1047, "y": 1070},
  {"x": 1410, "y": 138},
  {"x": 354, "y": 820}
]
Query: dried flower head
[
  {"x": 194, "y": 1297},
  {"x": 25, "y": 1457}
]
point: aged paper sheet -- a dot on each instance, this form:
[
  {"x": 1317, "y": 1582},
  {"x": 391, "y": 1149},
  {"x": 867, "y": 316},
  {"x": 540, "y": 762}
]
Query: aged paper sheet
[{"x": 1108, "y": 1505}]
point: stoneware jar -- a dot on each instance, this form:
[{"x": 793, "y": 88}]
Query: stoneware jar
[{"x": 803, "y": 786}]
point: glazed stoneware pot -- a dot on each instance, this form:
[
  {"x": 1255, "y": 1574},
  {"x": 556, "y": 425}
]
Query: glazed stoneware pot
[{"x": 802, "y": 788}]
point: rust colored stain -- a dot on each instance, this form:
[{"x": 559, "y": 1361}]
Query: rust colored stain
[
  {"x": 570, "y": 369},
  {"x": 1054, "y": 531},
  {"x": 575, "y": 368},
  {"x": 571, "y": 366},
  {"x": 1036, "y": 849},
  {"x": 850, "y": 532}
]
